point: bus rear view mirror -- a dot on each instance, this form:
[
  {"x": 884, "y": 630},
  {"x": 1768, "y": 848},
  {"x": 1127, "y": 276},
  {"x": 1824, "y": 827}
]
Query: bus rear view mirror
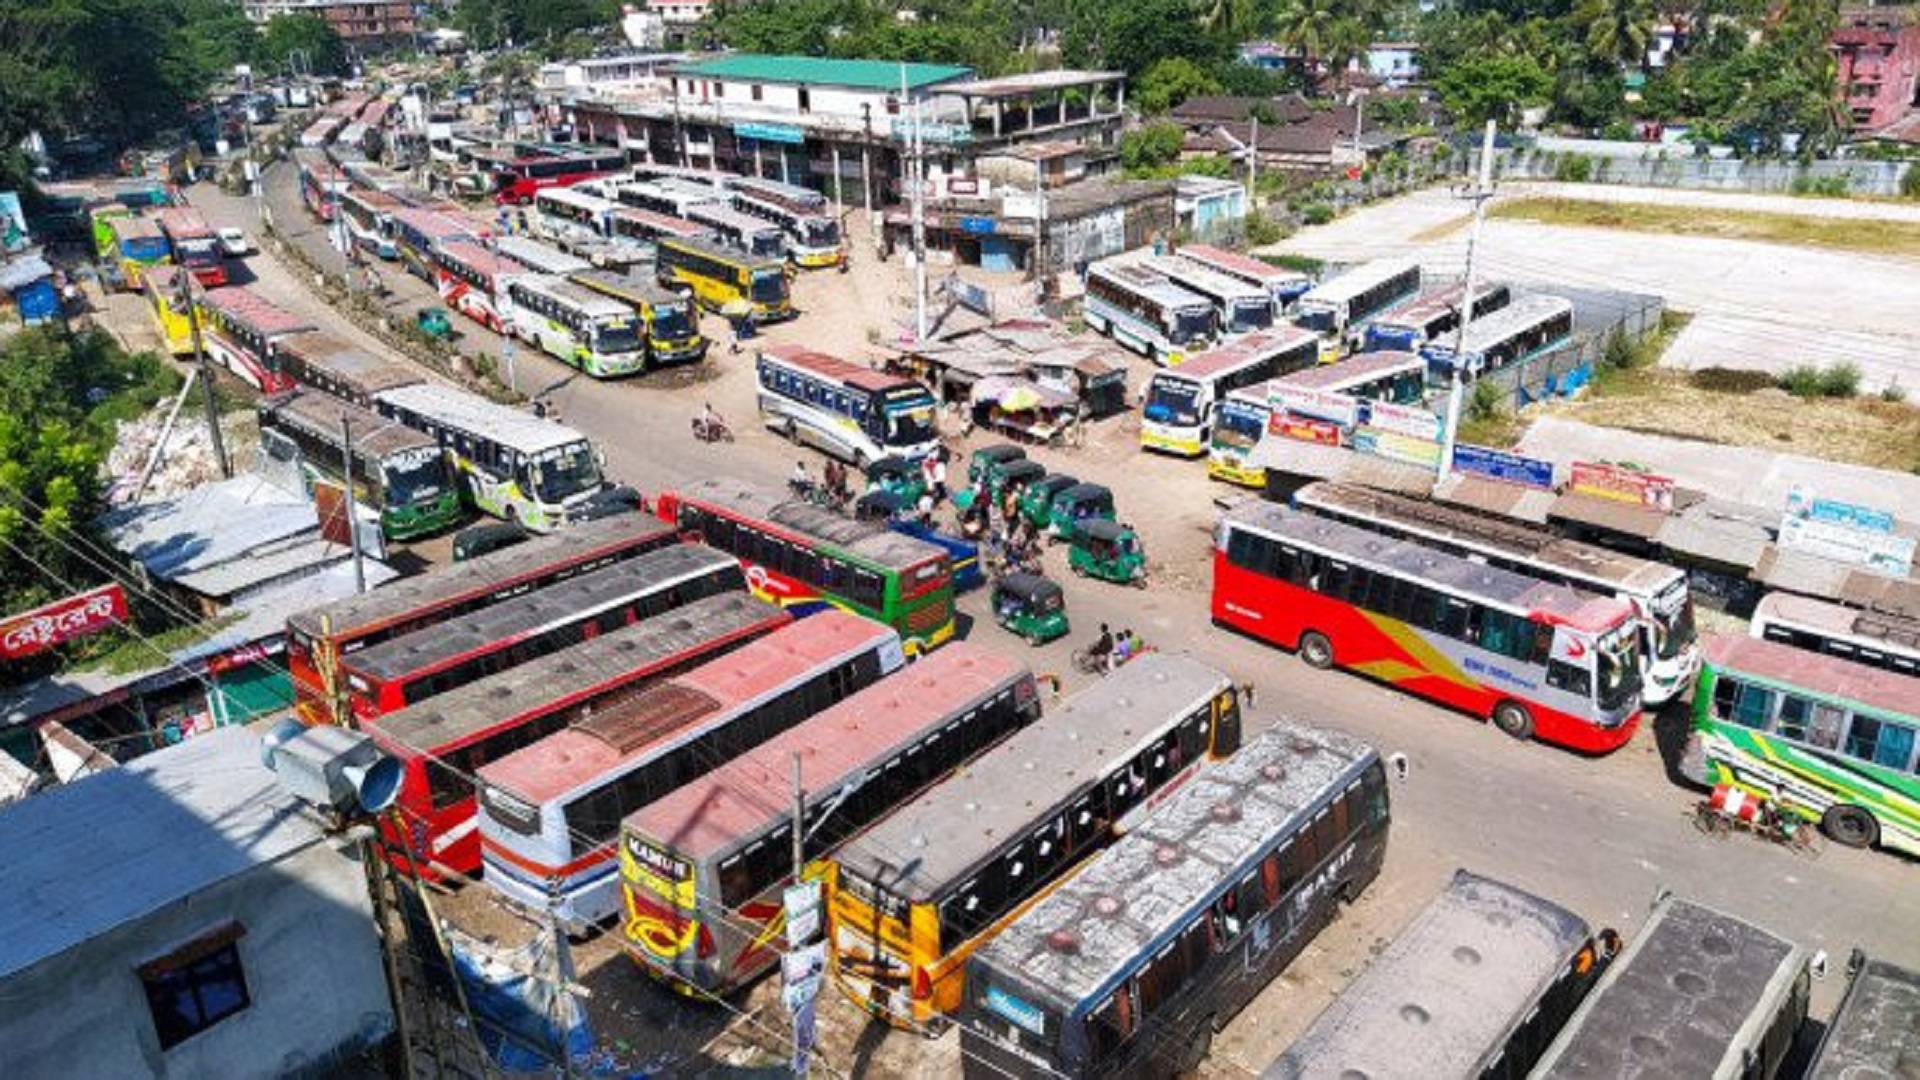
[
  {"x": 1399, "y": 765},
  {"x": 1818, "y": 965}
]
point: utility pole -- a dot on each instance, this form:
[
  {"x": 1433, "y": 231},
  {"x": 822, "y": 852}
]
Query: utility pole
[
  {"x": 1482, "y": 191},
  {"x": 353, "y": 506},
  {"x": 866, "y": 174},
  {"x": 801, "y": 1010},
  {"x": 799, "y": 821},
  {"x": 916, "y": 170},
  {"x": 1253, "y": 164},
  {"x": 206, "y": 375}
]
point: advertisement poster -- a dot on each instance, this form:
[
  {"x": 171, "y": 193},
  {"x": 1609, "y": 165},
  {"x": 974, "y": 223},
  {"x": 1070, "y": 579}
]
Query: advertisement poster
[
  {"x": 1605, "y": 481},
  {"x": 42, "y": 628},
  {"x": 1503, "y": 466}
]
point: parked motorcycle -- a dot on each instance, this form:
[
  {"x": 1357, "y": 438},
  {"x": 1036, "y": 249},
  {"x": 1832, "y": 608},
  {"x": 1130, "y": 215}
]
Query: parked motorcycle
[{"x": 716, "y": 431}]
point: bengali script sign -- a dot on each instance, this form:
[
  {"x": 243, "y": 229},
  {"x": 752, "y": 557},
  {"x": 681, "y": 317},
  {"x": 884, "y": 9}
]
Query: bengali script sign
[
  {"x": 1604, "y": 481},
  {"x": 1501, "y": 465},
  {"x": 1397, "y": 447},
  {"x": 1401, "y": 420},
  {"x": 1306, "y": 429},
  {"x": 1320, "y": 404},
  {"x": 1886, "y": 553},
  {"x": 76, "y": 616}
]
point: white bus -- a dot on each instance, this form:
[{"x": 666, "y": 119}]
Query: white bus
[
  {"x": 367, "y": 217},
  {"x": 591, "y": 331},
  {"x": 469, "y": 279},
  {"x": 1334, "y": 391},
  {"x": 538, "y": 257},
  {"x": 1284, "y": 285},
  {"x": 755, "y": 236},
  {"x": 813, "y": 233},
  {"x": 1339, "y": 310},
  {"x": 1178, "y": 415},
  {"x": 846, "y": 410},
  {"x": 1530, "y": 326},
  {"x": 517, "y": 466},
  {"x": 647, "y": 227},
  {"x": 1239, "y": 425},
  {"x": 1888, "y": 640},
  {"x": 1662, "y": 604},
  {"x": 1432, "y": 317},
  {"x": 1147, "y": 313},
  {"x": 570, "y": 216},
  {"x": 666, "y": 196},
  {"x": 1241, "y": 308}
]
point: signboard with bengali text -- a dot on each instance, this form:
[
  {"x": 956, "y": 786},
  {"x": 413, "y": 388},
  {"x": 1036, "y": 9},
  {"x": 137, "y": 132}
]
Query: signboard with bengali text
[
  {"x": 1885, "y": 553},
  {"x": 43, "y": 628},
  {"x": 1620, "y": 484},
  {"x": 1503, "y": 466},
  {"x": 1397, "y": 447},
  {"x": 1320, "y": 404},
  {"x": 1401, "y": 420},
  {"x": 1306, "y": 429}
]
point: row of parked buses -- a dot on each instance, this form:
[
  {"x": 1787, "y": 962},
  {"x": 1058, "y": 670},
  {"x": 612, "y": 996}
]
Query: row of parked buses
[{"x": 134, "y": 240}]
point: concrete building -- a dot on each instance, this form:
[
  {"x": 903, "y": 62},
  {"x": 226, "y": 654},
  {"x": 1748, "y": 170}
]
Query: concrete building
[
  {"x": 1206, "y": 206},
  {"x": 1288, "y": 132},
  {"x": 1877, "y": 52},
  {"x": 1045, "y": 232},
  {"x": 839, "y": 125},
  {"x": 679, "y": 12},
  {"x": 184, "y": 916},
  {"x": 362, "y": 24},
  {"x": 628, "y": 71}
]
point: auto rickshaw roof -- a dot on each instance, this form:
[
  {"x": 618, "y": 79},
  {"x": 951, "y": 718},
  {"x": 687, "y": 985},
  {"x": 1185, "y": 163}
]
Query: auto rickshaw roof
[
  {"x": 1028, "y": 586},
  {"x": 1056, "y": 482},
  {"x": 1100, "y": 529},
  {"x": 888, "y": 501},
  {"x": 1022, "y": 469},
  {"x": 892, "y": 466},
  {"x": 1085, "y": 493},
  {"x": 999, "y": 453}
]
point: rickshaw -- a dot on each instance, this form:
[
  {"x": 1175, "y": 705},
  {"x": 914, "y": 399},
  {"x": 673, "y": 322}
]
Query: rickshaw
[
  {"x": 1109, "y": 551},
  {"x": 435, "y": 323},
  {"x": 1036, "y": 503},
  {"x": 1030, "y": 606},
  {"x": 1079, "y": 503},
  {"x": 898, "y": 476},
  {"x": 1017, "y": 474},
  {"x": 987, "y": 458},
  {"x": 477, "y": 540}
]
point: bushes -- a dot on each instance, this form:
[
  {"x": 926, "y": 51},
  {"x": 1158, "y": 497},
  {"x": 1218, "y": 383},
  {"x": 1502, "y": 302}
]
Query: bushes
[
  {"x": 1841, "y": 380},
  {"x": 1573, "y": 169},
  {"x": 1487, "y": 403},
  {"x": 1910, "y": 182},
  {"x": 1316, "y": 213}
]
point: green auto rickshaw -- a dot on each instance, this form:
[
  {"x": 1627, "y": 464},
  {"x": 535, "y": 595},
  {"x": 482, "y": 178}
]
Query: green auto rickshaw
[
  {"x": 1036, "y": 503},
  {"x": 1081, "y": 502},
  {"x": 898, "y": 476},
  {"x": 986, "y": 459},
  {"x": 1109, "y": 551},
  {"x": 1030, "y": 606}
]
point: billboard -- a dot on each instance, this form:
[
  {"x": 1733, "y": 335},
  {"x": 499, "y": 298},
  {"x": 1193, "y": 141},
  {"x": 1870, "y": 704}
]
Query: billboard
[
  {"x": 1503, "y": 466},
  {"x": 42, "y": 628},
  {"x": 1604, "y": 480}
]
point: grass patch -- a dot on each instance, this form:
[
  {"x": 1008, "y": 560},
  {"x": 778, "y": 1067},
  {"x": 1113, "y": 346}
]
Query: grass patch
[
  {"x": 130, "y": 654},
  {"x": 1626, "y": 366},
  {"x": 1731, "y": 380},
  {"x": 1305, "y": 264},
  {"x": 1845, "y": 234},
  {"x": 1441, "y": 231}
]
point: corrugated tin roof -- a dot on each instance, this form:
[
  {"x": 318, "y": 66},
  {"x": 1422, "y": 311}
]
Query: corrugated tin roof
[
  {"x": 207, "y": 526},
  {"x": 1716, "y": 530},
  {"x": 167, "y": 826},
  {"x": 862, "y": 74},
  {"x": 1623, "y": 517}
]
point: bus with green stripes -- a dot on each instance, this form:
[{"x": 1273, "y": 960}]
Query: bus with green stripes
[{"x": 1831, "y": 740}]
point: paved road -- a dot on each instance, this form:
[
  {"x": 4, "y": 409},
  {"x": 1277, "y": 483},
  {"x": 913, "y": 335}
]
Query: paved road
[{"x": 1599, "y": 835}]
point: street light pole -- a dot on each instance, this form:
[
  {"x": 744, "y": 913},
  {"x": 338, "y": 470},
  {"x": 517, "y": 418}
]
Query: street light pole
[
  {"x": 353, "y": 504},
  {"x": 1481, "y": 193}
]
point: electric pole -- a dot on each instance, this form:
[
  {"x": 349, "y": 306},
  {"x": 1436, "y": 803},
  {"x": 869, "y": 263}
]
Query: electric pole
[
  {"x": 206, "y": 374},
  {"x": 353, "y": 506},
  {"x": 1482, "y": 191},
  {"x": 915, "y": 169}
]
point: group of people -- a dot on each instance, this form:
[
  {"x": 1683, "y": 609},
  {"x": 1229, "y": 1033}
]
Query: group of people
[
  {"x": 835, "y": 482},
  {"x": 1117, "y": 648}
]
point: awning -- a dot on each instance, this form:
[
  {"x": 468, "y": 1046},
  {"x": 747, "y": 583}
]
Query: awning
[
  {"x": 1613, "y": 515},
  {"x": 1016, "y": 394}
]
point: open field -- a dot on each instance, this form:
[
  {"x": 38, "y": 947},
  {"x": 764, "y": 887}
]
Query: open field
[{"x": 1845, "y": 234}]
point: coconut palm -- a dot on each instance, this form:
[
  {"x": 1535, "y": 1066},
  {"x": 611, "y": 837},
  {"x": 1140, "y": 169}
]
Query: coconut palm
[
  {"x": 1616, "y": 30},
  {"x": 1309, "y": 27}
]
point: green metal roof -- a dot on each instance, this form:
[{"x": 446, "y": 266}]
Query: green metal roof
[{"x": 818, "y": 71}]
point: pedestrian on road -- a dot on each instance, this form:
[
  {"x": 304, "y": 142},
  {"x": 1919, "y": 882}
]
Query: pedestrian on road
[{"x": 939, "y": 484}]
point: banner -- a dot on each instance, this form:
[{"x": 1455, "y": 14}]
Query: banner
[
  {"x": 1321, "y": 404},
  {"x": 1883, "y": 552},
  {"x": 1501, "y": 465},
  {"x": 77, "y": 616},
  {"x": 1401, "y": 420},
  {"x": 1604, "y": 481},
  {"x": 1305, "y": 429},
  {"x": 1397, "y": 447}
]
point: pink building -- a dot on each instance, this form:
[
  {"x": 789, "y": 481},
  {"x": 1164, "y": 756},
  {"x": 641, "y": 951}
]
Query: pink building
[{"x": 1877, "y": 50}]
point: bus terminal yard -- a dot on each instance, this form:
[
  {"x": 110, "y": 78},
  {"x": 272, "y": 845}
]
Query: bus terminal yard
[{"x": 1599, "y": 830}]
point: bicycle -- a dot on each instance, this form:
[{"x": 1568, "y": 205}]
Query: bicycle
[{"x": 1729, "y": 810}]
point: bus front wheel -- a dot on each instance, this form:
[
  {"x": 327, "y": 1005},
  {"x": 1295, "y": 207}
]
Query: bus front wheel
[
  {"x": 1315, "y": 650},
  {"x": 1514, "y": 719},
  {"x": 1850, "y": 826}
]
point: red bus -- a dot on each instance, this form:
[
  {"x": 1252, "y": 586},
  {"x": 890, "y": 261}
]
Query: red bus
[
  {"x": 319, "y": 638},
  {"x": 418, "y": 234},
  {"x": 550, "y": 814},
  {"x": 1539, "y": 659},
  {"x": 467, "y": 276},
  {"x": 321, "y": 182},
  {"x": 515, "y": 179},
  {"x": 703, "y": 868},
  {"x": 194, "y": 245},
  {"x": 411, "y": 668},
  {"x": 239, "y": 329},
  {"x": 441, "y": 744}
]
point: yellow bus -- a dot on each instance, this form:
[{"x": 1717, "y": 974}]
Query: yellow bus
[
  {"x": 722, "y": 278},
  {"x": 911, "y": 898},
  {"x": 170, "y": 321}
]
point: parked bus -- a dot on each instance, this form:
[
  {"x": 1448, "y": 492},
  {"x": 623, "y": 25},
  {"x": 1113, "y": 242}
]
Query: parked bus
[
  {"x": 1475, "y": 986},
  {"x": 518, "y": 178},
  {"x": 319, "y": 637},
  {"x": 1432, "y": 317},
  {"x": 467, "y": 276},
  {"x": 1284, "y": 285},
  {"x": 418, "y": 235},
  {"x": 397, "y": 472},
  {"x": 1178, "y": 415},
  {"x": 1240, "y": 425},
  {"x": 1830, "y": 740},
  {"x": 577, "y": 325},
  {"x": 813, "y": 237},
  {"x": 1875, "y": 1031},
  {"x": 321, "y": 183},
  {"x": 1528, "y": 327},
  {"x": 1239, "y": 307},
  {"x": 1247, "y": 417},
  {"x": 719, "y": 277},
  {"x": 170, "y": 310},
  {"x": 646, "y": 229},
  {"x": 1147, "y": 313},
  {"x": 538, "y": 257},
  {"x": 1541, "y": 660},
  {"x": 442, "y": 743},
  {"x": 1705, "y": 994},
  {"x": 1883, "y": 639},
  {"x": 320, "y": 360},
  {"x": 703, "y": 867},
  {"x": 1130, "y": 965},
  {"x": 317, "y": 135},
  {"x": 1662, "y": 604},
  {"x": 567, "y": 216},
  {"x": 192, "y": 244},
  {"x": 914, "y": 897},
  {"x": 667, "y": 195},
  {"x": 411, "y": 668},
  {"x": 756, "y": 236},
  {"x": 134, "y": 245},
  {"x": 550, "y": 813},
  {"x": 368, "y": 218},
  {"x": 670, "y": 325},
  {"x": 517, "y": 466},
  {"x": 846, "y": 410},
  {"x": 1340, "y": 309},
  {"x": 239, "y": 329},
  {"x": 808, "y": 558}
]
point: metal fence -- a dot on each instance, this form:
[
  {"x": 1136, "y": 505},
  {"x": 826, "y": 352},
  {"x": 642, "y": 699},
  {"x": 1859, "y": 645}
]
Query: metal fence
[
  {"x": 1643, "y": 165},
  {"x": 1598, "y": 316}
]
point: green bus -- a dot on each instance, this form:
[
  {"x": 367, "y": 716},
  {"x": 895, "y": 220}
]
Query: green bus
[
  {"x": 400, "y": 472},
  {"x": 1828, "y": 739}
]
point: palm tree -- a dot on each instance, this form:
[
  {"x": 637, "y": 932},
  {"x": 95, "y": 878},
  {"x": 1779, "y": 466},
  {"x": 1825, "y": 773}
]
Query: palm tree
[
  {"x": 1309, "y": 26},
  {"x": 1616, "y": 30},
  {"x": 1228, "y": 16}
]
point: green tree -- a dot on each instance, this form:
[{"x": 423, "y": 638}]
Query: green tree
[
  {"x": 1152, "y": 146},
  {"x": 1616, "y": 31},
  {"x": 1133, "y": 35},
  {"x": 1173, "y": 80},
  {"x": 1309, "y": 26},
  {"x": 1493, "y": 87},
  {"x": 319, "y": 46}
]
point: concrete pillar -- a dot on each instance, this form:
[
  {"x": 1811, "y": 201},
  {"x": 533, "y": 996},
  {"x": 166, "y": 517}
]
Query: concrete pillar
[
  {"x": 785, "y": 160},
  {"x": 756, "y": 159},
  {"x": 835, "y": 149},
  {"x": 1120, "y": 99},
  {"x": 999, "y": 108}
]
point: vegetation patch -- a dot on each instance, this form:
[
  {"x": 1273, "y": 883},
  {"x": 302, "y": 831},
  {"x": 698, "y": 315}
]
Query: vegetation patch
[{"x": 1845, "y": 234}]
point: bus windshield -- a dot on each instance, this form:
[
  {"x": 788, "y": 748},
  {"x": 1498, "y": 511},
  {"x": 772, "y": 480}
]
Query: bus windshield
[
  {"x": 1619, "y": 669},
  {"x": 769, "y": 286},
  {"x": 768, "y": 244},
  {"x": 1317, "y": 319},
  {"x": 1239, "y": 426},
  {"x": 1249, "y": 315},
  {"x": 564, "y": 472},
  {"x": 910, "y": 425},
  {"x": 413, "y": 476},
  {"x": 617, "y": 335},
  {"x": 1174, "y": 401},
  {"x": 1673, "y": 631},
  {"x": 1192, "y": 324},
  {"x": 198, "y": 251},
  {"x": 820, "y": 232},
  {"x": 671, "y": 321}
]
